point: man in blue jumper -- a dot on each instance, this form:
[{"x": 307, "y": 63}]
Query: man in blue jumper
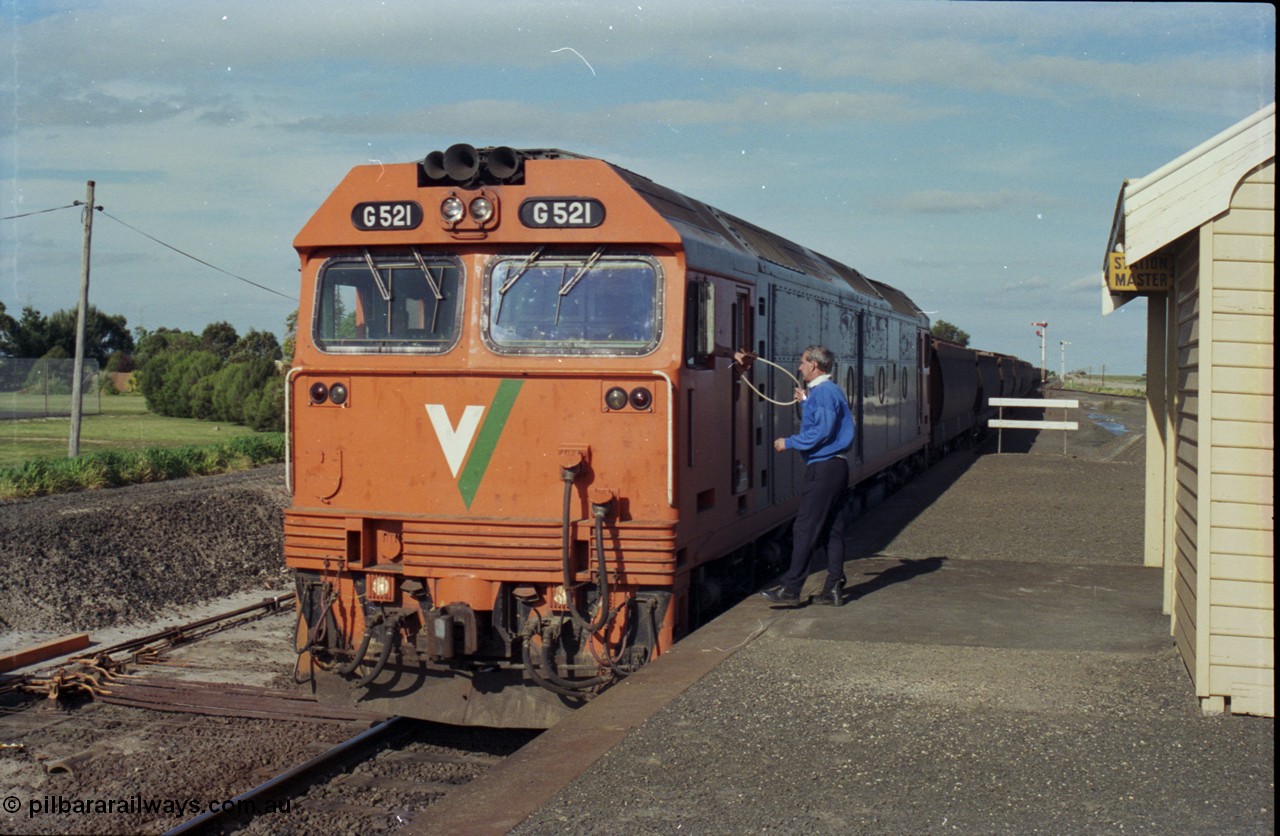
[{"x": 824, "y": 440}]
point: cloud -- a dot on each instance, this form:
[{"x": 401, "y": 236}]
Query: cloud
[{"x": 1036, "y": 50}]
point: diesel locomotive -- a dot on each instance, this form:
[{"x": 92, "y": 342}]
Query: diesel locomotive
[{"x": 522, "y": 460}]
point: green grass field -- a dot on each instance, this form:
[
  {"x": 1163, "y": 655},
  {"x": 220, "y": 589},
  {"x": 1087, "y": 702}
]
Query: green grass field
[
  {"x": 1112, "y": 384},
  {"x": 124, "y": 425}
]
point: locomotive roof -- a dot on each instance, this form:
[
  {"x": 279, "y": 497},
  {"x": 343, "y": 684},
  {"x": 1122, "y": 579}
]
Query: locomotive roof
[
  {"x": 900, "y": 301},
  {"x": 760, "y": 243}
]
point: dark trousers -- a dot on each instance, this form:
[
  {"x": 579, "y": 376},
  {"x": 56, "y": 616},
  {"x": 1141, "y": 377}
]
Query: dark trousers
[{"x": 820, "y": 522}]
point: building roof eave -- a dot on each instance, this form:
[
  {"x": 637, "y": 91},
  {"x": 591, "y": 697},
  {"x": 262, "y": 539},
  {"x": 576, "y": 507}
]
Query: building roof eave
[{"x": 1187, "y": 192}]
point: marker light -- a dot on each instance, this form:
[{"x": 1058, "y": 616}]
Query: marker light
[
  {"x": 641, "y": 398},
  {"x": 318, "y": 392},
  {"x": 338, "y": 393},
  {"x": 381, "y": 588},
  {"x": 481, "y": 210},
  {"x": 615, "y": 398},
  {"x": 452, "y": 209}
]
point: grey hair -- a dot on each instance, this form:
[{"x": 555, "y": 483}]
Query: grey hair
[{"x": 822, "y": 357}]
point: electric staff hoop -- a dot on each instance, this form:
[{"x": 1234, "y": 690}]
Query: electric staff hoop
[{"x": 750, "y": 386}]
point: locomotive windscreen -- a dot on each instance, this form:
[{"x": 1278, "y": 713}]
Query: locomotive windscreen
[
  {"x": 388, "y": 305},
  {"x": 574, "y": 304}
]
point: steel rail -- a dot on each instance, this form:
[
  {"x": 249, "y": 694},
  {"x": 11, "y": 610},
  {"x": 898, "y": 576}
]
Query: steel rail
[
  {"x": 183, "y": 631},
  {"x": 172, "y": 635},
  {"x": 230, "y": 808}
]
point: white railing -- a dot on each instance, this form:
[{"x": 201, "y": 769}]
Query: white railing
[{"x": 1002, "y": 423}]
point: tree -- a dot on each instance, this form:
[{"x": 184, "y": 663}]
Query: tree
[
  {"x": 154, "y": 343},
  {"x": 104, "y": 334},
  {"x": 264, "y": 408},
  {"x": 290, "y": 338},
  {"x": 35, "y": 335},
  {"x": 235, "y": 382},
  {"x": 25, "y": 337},
  {"x": 7, "y": 326},
  {"x": 255, "y": 344},
  {"x": 943, "y": 330},
  {"x": 220, "y": 338},
  {"x": 182, "y": 375}
]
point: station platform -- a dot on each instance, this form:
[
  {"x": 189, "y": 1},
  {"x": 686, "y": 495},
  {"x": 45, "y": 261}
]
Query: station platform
[{"x": 1001, "y": 665}]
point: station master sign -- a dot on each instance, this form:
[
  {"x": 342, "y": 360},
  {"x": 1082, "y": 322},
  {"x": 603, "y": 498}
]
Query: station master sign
[{"x": 1151, "y": 274}]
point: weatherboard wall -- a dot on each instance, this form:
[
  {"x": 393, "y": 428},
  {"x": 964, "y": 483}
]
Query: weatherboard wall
[
  {"x": 1239, "y": 608},
  {"x": 1222, "y": 513}
]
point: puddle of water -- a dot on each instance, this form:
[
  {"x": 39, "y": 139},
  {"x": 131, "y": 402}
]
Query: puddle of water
[{"x": 1108, "y": 423}]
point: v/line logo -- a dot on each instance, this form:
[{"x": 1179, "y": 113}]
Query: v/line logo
[{"x": 455, "y": 441}]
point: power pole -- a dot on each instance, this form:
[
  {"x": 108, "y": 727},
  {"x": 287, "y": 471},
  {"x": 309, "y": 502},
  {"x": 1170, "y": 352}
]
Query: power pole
[{"x": 82, "y": 317}]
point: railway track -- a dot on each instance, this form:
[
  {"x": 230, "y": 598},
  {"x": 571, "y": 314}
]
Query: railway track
[
  {"x": 201, "y": 755},
  {"x": 379, "y": 779},
  {"x": 93, "y": 673}
]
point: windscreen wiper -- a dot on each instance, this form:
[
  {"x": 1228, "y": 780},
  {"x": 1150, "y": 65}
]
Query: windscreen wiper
[
  {"x": 383, "y": 290},
  {"x": 520, "y": 271},
  {"x": 513, "y": 278},
  {"x": 568, "y": 286},
  {"x": 433, "y": 283}
]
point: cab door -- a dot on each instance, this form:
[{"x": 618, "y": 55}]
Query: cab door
[{"x": 741, "y": 413}]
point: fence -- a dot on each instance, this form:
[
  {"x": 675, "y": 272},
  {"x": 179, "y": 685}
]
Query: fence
[
  {"x": 1003, "y": 423},
  {"x": 42, "y": 388}
]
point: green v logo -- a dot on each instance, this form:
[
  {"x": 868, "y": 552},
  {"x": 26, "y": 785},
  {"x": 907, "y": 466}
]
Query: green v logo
[{"x": 455, "y": 441}]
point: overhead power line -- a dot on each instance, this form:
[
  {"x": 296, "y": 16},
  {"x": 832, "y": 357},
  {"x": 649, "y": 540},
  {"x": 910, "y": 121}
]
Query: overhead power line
[
  {"x": 158, "y": 241},
  {"x": 193, "y": 258},
  {"x": 42, "y": 211}
]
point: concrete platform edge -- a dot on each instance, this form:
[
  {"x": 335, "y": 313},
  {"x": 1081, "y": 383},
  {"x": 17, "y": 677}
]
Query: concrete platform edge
[{"x": 505, "y": 796}]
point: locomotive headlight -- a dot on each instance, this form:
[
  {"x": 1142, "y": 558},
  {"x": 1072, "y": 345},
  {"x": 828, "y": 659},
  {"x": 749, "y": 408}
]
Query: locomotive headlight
[
  {"x": 337, "y": 393},
  {"x": 615, "y": 398},
  {"x": 381, "y": 588},
  {"x": 641, "y": 398},
  {"x": 481, "y": 210},
  {"x": 318, "y": 392},
  {"x": 452, "y": 209}
]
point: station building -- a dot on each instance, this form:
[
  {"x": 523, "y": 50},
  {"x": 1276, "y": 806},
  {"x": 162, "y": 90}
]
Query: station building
[{"x": 1197, "y": 238}]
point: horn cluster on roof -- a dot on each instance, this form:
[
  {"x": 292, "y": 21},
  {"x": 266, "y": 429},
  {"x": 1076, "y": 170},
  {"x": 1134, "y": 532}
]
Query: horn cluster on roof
[{"x": 465, "y": 165}]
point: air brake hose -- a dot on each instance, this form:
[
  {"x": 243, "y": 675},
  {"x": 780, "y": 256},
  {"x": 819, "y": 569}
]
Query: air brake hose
[
  {"x": 599, "y": 512},
  {"x": 549, "y": 671},
  {"x": 536, "y": 674},
  {"x": 344, "y": 670},
  {"x": 388, "y": 631},
  {"x": 535, "y": 670},
  {"x": 602, "y": 618}
]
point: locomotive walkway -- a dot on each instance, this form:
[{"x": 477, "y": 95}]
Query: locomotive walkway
[{"x": 1003, "y": 667}]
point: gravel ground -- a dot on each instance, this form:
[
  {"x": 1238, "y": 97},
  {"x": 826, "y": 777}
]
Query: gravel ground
[
  {"x": 124, "y": 760},
  {"x": 95, "y": 559}
]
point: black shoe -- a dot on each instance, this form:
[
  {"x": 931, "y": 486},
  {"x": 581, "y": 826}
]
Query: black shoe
[
  {"x": 782, "y": 596},
  {"x": 833, "y": 597}
]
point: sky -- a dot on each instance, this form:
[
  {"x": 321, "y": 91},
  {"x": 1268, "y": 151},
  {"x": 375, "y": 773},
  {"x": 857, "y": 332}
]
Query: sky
[{"x": 969, "y": 154}]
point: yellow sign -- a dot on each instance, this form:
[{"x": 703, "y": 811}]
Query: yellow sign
[{"x": 1153, "y": 273}]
